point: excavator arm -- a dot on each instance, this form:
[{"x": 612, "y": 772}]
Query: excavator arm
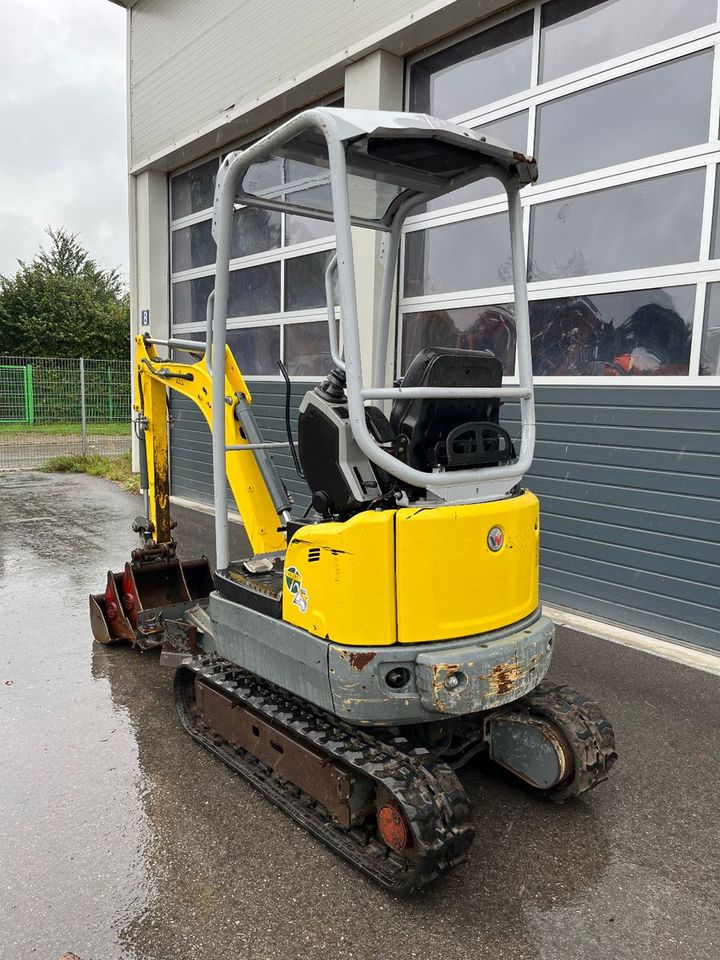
[
  {"x": 145, "y": 603},
  {"x": 256, "y": 488}
]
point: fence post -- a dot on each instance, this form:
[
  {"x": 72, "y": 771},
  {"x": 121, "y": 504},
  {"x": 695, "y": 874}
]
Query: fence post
[
  {"x": 29, "y": 395},
  {"x": 111, "y": 412},
  {"x": 83, "y": 411}
]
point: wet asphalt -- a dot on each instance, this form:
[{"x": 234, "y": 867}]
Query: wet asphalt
[{"x": 120, "y": 838}]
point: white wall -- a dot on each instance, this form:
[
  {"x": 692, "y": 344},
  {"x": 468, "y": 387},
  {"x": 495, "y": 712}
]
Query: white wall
[{"x": 205, "y": 72}]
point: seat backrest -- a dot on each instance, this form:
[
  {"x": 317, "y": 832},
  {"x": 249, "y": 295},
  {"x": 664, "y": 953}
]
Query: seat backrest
[{"x": 428, "y": 422}]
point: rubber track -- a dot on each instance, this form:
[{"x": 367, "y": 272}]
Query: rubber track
[
  {"x": 589, "y": 734},
  {"x": 429, "y": 794}
]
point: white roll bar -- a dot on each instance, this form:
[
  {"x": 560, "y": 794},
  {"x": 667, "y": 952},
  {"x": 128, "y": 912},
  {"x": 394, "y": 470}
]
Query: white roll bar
[{"x": 341, "y": 130}]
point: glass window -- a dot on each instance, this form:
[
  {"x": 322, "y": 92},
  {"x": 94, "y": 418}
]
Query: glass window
[
  {"x": 182, "y": 356},
  {"x": 305, "y": 281},
  {"x": 512, "y": 131},
  {"x": 193, "y": 246},
  {"x": 302, "y": 229},
  {"x": 193, "y": 190},
  {"x": 470, "y": 328},
  {"x": 190, "y": 299},
  {"x": 256, "y": 350},
  {"x": 254, "y": 230},
  {"x": 307, "y": 349},
  {"x": 634, "y": 333},
  {"x": 579, "y": 33},
  {"x": 715, "y": 241},
  {"x": 486, "y": 67},
  {"x": 254, "y": 290},
  {"x": 643, "y": 224},
  {"x": 710, "y": 355},
  {"x": 458, "y": 256},
  {"x": 655, "y": 111}
]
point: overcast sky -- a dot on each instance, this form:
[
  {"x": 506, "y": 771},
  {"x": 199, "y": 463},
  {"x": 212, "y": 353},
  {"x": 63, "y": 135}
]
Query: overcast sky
[{"x": 63, "y": 154}]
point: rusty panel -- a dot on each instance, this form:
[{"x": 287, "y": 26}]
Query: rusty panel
[{"x": 291, "y": 761}]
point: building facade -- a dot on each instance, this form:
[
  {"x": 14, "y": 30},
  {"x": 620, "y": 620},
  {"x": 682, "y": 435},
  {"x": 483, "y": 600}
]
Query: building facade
[{"x": 619, "y": 100}]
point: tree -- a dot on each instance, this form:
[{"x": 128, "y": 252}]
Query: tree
[{"x": 64, "y": 304}]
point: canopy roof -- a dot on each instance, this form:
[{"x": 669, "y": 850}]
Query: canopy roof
[{"x": 389, "y": 156}]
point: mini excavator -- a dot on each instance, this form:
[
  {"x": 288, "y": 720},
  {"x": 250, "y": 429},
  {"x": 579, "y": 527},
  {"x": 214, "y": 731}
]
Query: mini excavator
[{"x": 366, "y": 652}]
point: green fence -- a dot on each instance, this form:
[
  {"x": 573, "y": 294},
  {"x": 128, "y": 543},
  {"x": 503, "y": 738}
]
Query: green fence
[{"x": 56, "y": 405}]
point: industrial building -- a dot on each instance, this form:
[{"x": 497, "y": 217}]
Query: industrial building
[{"x": 619, "y": 100}]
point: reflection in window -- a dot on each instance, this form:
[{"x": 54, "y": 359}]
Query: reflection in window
[
  {"x": 710, "y": 355},
  {"x": 190, "y": 299},
  {"x": 486, "y": 67},
  {"x": 470, "y": 328},
  {"x": 715, "y": 242},
  {"x": 655, "y": 111},
  {"x": 634, "y": 333},
  {"x": 465, "y": 255},
  {"x": 307, "y": 349},
  {"x": 579, "y": 33},
  {"x": 193, "y": 190},
  {"x": 645, "y": 224},
  {"x": 193, "y": 246},
  {"x": 302, "y": 229},
  {"x": 256, "y": 350},
  {"x": 254, "y": 290},
  {"x": 254, "y": 231},
  {"x": 512, "y": 131},
  {"x": 305, "y": 281}
]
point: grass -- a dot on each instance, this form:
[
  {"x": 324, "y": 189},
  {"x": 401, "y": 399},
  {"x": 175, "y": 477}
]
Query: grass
[
  {"x": 113, "y": 429},
  {"x": 118, "y": 469}
]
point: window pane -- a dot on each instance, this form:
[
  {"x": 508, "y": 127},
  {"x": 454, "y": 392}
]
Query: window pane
[
  {"x": 710, "y": 356},
  {"x": 578, "y": 33},
  {"x": 182, "y": 356},
  {"x": 263, "y": 175},
  {"x": 254, "y": 230},
  {"x": 715, "y": 244},
  {"x": 193, "y": 246},
  {"x": 486, "y": 67},
  {"x": 302, "y": 229},
  {"x": 256, "y": 350},
  {"x": 193, "y": 190},
  {"x": 307, "y": 349},
  {"x": 190, "y": 299},
  {"x": 471, "y": 328},
  {"x": 635, "y": 333},
  {"x": 305, "y": 281},
  {"x": 644, "y": 224},
  {"x": 254, "y": 290},
  {"x": 458, "y": 256},
  {"x": 512, "y": 131},
  {"x": 661, "y": 109}
]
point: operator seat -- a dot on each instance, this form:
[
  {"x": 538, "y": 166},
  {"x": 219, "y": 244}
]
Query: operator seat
[{"x": 452, "y": 433}]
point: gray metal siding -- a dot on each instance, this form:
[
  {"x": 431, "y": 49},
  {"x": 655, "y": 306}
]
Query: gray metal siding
[
  {"x": 191, "y": 454},
  {"x": 629, "y": 492},
  {"x": 630, "y": 505}
]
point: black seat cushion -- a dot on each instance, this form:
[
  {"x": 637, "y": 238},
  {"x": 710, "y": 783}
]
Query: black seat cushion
[{"x": 427, "y": 422}]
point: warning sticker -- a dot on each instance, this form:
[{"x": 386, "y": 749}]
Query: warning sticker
[{"x": 293, "y": 581}]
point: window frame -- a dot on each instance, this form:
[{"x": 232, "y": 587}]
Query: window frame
[
  {"x": 279, "y": 255},
  {"x": 702, "y": 156}
]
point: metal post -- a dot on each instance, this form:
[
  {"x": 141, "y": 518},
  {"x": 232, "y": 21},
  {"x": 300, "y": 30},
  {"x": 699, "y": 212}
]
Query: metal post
[
  {"x": 83, "y": 412},
  {"x": 29, "y": 395},
  {"x": 111, "y": 412}
]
